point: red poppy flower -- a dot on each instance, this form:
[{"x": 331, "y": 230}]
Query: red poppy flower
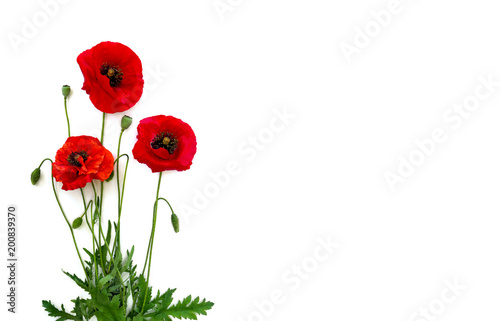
[
  {"x": 113, "y": 76},
  {"x": 165, "y": 143},
  {"x": 80, "y": 160}
]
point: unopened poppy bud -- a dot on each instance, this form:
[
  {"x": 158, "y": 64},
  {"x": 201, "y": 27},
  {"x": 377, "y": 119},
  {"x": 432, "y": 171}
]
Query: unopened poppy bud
[
  {"x": 77, "y": 223},
  {"x": 126, "y": 122},
  {"x": 110, "y": 176},
  {"x": 175, "y": 222},
  {"x": 35, "y": 176},
  {"x": 66, "y": 90}
]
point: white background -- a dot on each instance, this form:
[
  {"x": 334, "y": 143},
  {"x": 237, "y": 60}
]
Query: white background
[{"x": 322, "y": 175}]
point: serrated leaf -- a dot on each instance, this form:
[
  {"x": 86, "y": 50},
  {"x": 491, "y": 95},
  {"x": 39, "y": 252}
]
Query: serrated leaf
[
  {"x": 78, "y": 281},
  {"x": 80, "y": 309},
  {"x": 106, "y": 309},
  {"x": 189, "y": 309},
  {"x": 89, "y": 254},
  {"x": 142, "y": 295},
  {"x": 61, "y": 315},
  {"x": 129, "y": 258},
  {"x": 114, "y": 288},
  {"x": 165, "y": 300},
  {"x": 185, "y": 309},
  {"x": 106, "y": 279},
  {"x": 138, "y": 318}
]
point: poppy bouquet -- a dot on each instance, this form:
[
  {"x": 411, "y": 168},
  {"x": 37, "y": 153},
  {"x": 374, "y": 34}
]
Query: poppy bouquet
[{"x": 117, "y": 290}]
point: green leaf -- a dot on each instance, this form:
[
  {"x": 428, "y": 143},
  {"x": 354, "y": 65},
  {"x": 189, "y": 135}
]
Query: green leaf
[
  {"x": 128, "y": 263},
  {"x": 108, "y": 233},
  {"x": 189, "y": 309},
  {"x": 89, "y": 254},
  {"x": 118, "y": 259},
  {"x": 185, "y": 309},
  {"x": 138, "y": 318},
  {"x": 81, "y": 310},
  {"x": 142, "y": 295},
  {"x": 106, "y": 279},
  {"x": 105, "y": 309},
  {"x": 61, "y": 315},
  {"x": 78, "y": 281}
]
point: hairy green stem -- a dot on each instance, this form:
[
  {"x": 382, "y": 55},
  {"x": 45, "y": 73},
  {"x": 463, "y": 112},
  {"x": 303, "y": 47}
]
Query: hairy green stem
[
  {"x": 116, "y": 242},
  {"x": 150, "y": 249},
  {"x": 67, "y": 117},
  {"x": 102, "y": 129},
  {"x": 46, "y": 159},
  {"x": 94, "y": 240},
  {"x": 69, "y": 226},
  {"x": 98, "y": 210},
  {"x": 120, "y": 198},
  {"x": 162, "y": 199}
]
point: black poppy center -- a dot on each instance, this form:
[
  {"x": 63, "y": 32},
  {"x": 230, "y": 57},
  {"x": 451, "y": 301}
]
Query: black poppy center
[
  {"x": 74, "y": 157},
  {"x": 165, "y": 140},
  {"x": 114, "y": 74}
]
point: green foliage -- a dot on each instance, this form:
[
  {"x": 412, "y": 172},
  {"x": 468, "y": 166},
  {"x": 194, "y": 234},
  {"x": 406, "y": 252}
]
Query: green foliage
[
  {"x": 84, "y": 285},
  {"x": 61, "y": 314},
  {"x": 107, "y": 308},
  {"x": 111, "y": 287},
  {"x": 185, "y": 309}
]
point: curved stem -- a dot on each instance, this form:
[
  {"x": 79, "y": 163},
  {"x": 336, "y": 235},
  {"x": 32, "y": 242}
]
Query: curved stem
[
  {"x": 70, "y": 228},
  {"x": 162, "y": 199},
  {"x": 117, "y": 237},
  {"x": 151, "y": 236},
  {"x": 46, "y": 159},
  {"x": 150, "y": 249},
  {"x": 84, "y": 202},
  {"x": 67, "y": 118}
]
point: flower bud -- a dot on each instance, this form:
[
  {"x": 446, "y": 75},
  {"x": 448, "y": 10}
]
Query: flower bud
[
  {"x": 77, "y": 223},
  {"x": 35, "y": 176},
  {"x": 175, "y": 222},
  {"x": 66, "y": 90},
  {"x": 110, "y": 176},
  {"x": 126, "y": 122}
]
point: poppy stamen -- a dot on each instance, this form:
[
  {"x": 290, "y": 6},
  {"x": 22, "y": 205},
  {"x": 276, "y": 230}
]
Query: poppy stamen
[
  {"x": 165, "y": 140},
  {"x": 114, "y": 74},
  {"x": 74, "y": 157}
]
